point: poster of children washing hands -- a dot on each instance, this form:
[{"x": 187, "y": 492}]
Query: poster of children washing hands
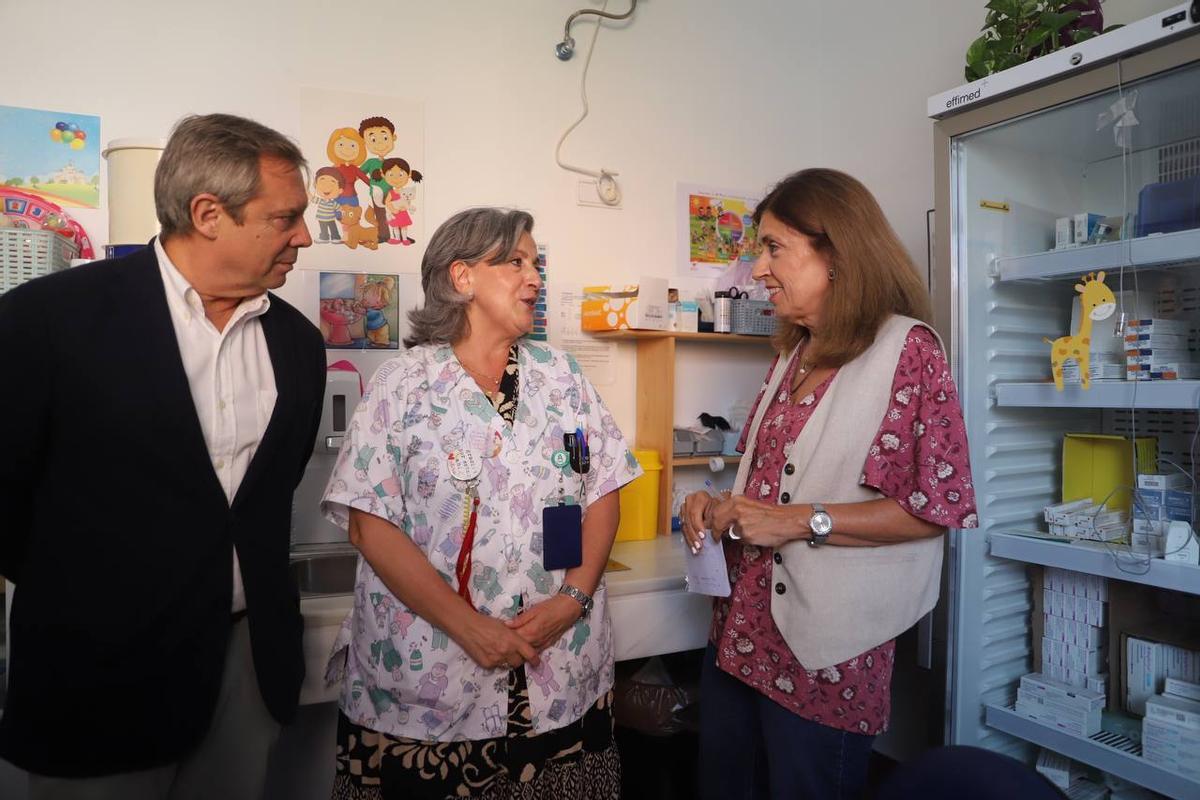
[
  {"x": 359, "y": 311},
  {"x": 364, "y": 154}
]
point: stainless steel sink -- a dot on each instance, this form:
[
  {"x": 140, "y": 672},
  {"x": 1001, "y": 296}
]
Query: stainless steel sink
[{"x": 325, "y": 574}]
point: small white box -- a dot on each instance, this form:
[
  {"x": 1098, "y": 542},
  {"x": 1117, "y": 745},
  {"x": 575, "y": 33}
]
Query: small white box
[
  {"x": 1176, "y": 711},
  {"x": 1170, "y": 480},
  {"x": 1181, "y": 688},
  {"x": 1082, "y": 660},
  {"x": 1049, "y": 687},
  {"x": 1058, "y": 769},
  {"x": 1098, "y": 683},
  {"x": 1179, "y": 662},
  {"x": 1158, "y": 325},
  {"x": 1084, "y": 724},
  {"x": 1144, "y": 673},
  {"x": 1064, "y": 232}
]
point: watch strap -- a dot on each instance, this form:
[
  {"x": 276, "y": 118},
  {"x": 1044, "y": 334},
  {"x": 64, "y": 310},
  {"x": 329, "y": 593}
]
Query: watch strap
[{"x": 579, "y": 596}]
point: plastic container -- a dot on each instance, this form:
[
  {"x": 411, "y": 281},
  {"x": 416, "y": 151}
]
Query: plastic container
[
  {"x": 639, "y": 500},
  {"x": 131, "y": 164},
  {"x": 26, "y": 254},
  {"x": 722, "y": 313},
  {"x": 752, "y": 317}
]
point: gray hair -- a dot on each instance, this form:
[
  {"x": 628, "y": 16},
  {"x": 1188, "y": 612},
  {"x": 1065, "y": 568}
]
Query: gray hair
[
  {"x": 218, "y": 154},
  {"x": 470, "y": 236}
]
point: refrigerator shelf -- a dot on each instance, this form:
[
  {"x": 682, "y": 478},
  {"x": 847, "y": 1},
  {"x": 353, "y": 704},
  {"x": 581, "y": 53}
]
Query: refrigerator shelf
[
  {"x": 1117, "y": 562},
  {"x": 1158, "y": 251},
  {"x": 1106, "y": 750},
  {"x": 1103, "y": 394}
]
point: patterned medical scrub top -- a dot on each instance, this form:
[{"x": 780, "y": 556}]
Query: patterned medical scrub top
[{"x": 402, "y": 675}]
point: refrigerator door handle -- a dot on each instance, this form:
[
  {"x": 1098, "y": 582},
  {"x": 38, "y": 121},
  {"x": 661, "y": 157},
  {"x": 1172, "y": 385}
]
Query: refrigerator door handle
[{"x": 925, "y": 642}]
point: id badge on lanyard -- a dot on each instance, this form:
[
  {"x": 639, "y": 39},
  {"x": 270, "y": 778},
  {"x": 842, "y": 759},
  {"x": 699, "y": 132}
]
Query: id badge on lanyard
[{"x": 562, "y": 524}]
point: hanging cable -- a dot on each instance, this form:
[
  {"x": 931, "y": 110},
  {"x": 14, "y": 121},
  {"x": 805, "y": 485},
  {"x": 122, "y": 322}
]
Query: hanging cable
[{"x": 606, "y": 183}]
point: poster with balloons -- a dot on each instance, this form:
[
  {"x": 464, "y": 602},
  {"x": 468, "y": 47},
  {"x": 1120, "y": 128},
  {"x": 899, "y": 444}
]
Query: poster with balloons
[
  {"x": 54, "y": 155},
  {"x": 716, "y": 231}
]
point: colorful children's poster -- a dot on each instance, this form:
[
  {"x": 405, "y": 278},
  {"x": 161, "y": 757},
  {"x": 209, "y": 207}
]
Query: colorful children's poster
[
  {"x": 54, "y": 155},
  {"x": 366, "y": 158},
  {"x": 716, "y": 232},
  {"x": 359, "y": 311},
  {"x": 540, "y": 319}
]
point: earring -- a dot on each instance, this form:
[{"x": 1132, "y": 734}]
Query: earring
[
  {"x": 470, "y": 294},
  {"x": 831, "y": 273}
]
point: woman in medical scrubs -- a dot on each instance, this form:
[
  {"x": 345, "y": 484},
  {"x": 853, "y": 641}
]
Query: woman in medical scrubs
[{"x": 478, "y": 480}]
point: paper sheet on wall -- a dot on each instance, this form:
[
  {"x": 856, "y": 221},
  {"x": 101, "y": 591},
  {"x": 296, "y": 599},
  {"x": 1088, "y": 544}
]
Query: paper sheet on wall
[
  {"x": 707, "y": 572},
  {"x": 596, "y": 357}
]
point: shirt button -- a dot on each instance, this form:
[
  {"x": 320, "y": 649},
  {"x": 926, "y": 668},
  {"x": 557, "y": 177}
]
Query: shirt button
[
  {"x": 220, "y": 463},
  {"x": 780, "y": 588},
  {"x": 785, "y": 498},
  {"x": 778, "y": 560},
  {"x": 221, "y": 405},
  {"x": 789, "y": 469}
]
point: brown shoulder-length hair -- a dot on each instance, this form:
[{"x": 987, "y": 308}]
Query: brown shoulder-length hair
[{"x": 873, "y": 274}]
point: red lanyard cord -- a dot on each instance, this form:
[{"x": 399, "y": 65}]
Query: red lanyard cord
[{"x": 462, "y": 569}]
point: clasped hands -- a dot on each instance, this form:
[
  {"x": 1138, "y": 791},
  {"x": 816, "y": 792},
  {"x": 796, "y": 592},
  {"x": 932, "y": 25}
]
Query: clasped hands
[
  {"x": 752, "y": 521},
  {"x": 494, "y": 643}
]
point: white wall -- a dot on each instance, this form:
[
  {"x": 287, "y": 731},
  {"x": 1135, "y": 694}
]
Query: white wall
[{"x": 730, "y": 94}]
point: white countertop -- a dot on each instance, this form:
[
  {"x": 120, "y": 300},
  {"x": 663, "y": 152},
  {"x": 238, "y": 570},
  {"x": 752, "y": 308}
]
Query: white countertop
[
  {"x": 652, "y": 612},
  {"x": 654, "y": 565}
]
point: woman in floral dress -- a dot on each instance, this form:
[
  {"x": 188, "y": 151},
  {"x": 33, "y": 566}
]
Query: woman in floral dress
[{"x": 855, "y": 466}]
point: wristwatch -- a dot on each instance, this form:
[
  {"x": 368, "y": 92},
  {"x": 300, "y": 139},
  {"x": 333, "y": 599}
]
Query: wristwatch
[
  {"x": 821, "y": 525},
  {"x": 579, "y": 596}
]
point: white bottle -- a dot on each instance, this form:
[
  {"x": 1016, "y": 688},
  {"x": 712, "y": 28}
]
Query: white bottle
[{"x": 722, "y": 313}]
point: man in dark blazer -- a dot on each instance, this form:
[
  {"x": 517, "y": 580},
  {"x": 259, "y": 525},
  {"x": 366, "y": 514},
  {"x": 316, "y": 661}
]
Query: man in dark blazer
[{"x": 160, "y": 409}]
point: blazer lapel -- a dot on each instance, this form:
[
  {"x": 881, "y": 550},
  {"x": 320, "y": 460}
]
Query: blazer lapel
[{"x": 166, "y": 376}]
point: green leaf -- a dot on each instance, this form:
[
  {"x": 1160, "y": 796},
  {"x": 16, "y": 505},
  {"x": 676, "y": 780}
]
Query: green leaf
[
  {"x": 977, "y": 50},
  {"x": 1036, "y": 37},
  {"x": 1083, "y": 34}
]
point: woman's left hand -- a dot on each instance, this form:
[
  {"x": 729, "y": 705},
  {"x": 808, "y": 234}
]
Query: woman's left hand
[
  {"x": 756, "y": 522},
  {"x": 544, "y": 623}
]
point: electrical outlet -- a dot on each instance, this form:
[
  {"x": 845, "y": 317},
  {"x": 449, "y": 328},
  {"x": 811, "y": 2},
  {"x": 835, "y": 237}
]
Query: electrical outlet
[{"x": 588, "y": 193}]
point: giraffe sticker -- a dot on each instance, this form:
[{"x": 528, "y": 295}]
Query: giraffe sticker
[{"x": 1096, "y": 302}]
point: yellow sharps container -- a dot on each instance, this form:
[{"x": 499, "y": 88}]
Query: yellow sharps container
[{"x": 639, "y": 500}]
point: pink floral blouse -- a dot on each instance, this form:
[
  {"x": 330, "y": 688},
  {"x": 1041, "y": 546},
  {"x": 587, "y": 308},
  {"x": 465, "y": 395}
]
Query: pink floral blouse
[{"x": 919, "y": 459}]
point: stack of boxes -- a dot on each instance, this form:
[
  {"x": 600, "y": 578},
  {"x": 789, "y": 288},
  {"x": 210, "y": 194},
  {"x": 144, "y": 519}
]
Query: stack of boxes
[
  {"x": 1157, "y": 349},
  {"x": 1059, "y": 706},
  {"x": 1149, "y": 664},
  {"x": 1081, "y": 519},
  {"x": 1171, "y": 729},
  {"x": 1160, "y": 499},
  {"x": 1074, "y": 641}
]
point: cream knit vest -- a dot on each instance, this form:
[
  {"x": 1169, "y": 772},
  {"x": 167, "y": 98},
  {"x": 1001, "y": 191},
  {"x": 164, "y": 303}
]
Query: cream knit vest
[{"x": 838, "y": 602}]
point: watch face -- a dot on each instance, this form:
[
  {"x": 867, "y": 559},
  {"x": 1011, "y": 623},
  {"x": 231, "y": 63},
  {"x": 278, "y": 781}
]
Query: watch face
[{"x": 821, "y": 523}]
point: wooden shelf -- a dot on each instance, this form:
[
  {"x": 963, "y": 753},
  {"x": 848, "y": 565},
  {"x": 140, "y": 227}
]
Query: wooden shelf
[
  {"x": 683, "y": 336},
  {"x": 656, "y": 399},
  {"x": 702, "y": 461}
]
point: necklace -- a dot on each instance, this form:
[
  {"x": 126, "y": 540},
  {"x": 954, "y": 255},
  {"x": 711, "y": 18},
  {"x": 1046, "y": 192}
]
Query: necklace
[{"x": 494, "y": 382}]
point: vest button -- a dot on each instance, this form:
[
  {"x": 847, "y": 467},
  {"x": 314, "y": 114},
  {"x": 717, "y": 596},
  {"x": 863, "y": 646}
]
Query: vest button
[
  {"x": 778, "y": 558},
  {"x": 789, "y": 469},
  {"x": 780, "y": 588},
  {"x": 785, "y": 498}
]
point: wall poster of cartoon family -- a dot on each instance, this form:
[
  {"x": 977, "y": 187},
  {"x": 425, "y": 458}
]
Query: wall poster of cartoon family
[
  {"x": 359, "y": 311},
  {"x": 365, "y": 154},
  {"x": 717, "y": 231}
]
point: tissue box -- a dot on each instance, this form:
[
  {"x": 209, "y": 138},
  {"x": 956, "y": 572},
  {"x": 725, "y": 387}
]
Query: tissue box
[{"x": 612, "y": 307}]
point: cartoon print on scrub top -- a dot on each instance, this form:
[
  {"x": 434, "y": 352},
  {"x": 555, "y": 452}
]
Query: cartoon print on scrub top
[{"x": 424, "y": 383}]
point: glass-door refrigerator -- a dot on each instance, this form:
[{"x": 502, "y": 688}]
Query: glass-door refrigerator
[{"x": 1039, "y": 190}]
